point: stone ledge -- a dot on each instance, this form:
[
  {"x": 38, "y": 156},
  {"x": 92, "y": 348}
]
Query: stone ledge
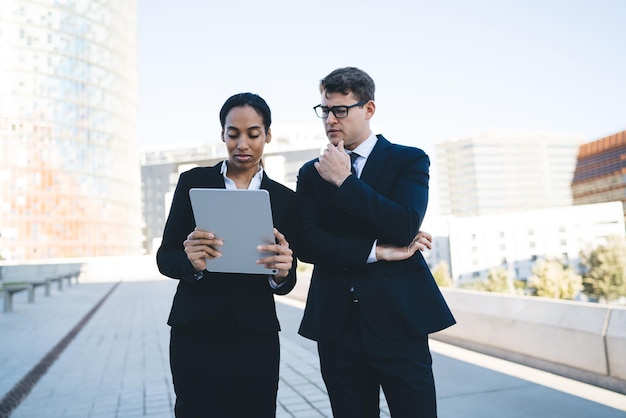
[{"x": 580, "y": 340}]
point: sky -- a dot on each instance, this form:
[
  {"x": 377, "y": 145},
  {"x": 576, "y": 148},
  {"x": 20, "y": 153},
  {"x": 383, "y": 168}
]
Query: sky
[{"x": 442, "y": 68}]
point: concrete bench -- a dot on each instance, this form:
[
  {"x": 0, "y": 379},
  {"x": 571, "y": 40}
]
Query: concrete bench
[
  {"x": 8, "y": 291},
  {"x": 14, "y": 280},
  {"x": 60, "y": 272},
  {"x": 27, "y": 277}
]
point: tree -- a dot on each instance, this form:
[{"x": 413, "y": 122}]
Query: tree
[
  {"x": 550, "y": 278},
  {"x": 441, "y": 273},
  {"x": 498, "y": 280},
  {"x": 604, "y": 276}
]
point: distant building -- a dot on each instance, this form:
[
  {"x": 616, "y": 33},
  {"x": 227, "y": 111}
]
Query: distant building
[
  {"x": 498, "y": 172},
  {"x": 600, "y": 174},
  {"x": 506, "y": 200},
  {"x": 514, "y": 241},
  {"x": 290, "y": 148},
  {"x": 69, "y": 169}
]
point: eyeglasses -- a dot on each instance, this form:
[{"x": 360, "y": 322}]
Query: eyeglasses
[{"x": 340, "y": 112}]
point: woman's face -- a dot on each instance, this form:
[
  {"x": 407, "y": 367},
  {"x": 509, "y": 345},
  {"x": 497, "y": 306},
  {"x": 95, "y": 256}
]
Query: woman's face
[{"x": 245, "y": 137}]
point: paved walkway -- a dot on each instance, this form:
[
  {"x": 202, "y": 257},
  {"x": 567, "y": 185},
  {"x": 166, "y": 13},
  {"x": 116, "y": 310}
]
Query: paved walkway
[{"x": 115, "y": 364}]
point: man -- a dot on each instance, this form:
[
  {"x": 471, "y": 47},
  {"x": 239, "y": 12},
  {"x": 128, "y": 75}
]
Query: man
[{"x": 372, "y": 300}]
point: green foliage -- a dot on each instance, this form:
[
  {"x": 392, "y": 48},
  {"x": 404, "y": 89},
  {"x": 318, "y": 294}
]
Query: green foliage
[
  {"x": 441, "y": 273},
  {"x": 605, "y": 270},
  {"x": 550, "y": 278},
  {"x": 475, "y": 285},
  {"x": 499, "y": 280}
]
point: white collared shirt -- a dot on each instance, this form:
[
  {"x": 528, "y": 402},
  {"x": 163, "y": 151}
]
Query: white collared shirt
[
  {"x": 364, "y": 150},
  {"x": 255, "y": 183}
]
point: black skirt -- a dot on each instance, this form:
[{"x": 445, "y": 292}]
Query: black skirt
[{"x": 225, "y": 373}]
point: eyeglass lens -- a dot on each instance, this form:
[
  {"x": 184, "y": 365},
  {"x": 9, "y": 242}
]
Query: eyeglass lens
[{"x": 338, "y": 111}]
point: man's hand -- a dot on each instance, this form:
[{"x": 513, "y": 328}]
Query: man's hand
[
  {"x": 422, "y": 241},
  {"x": 334, "y": 164}
]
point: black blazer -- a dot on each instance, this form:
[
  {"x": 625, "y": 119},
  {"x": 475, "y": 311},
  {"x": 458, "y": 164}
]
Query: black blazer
[
  {"x": 227, "y": 300},
  {"x": 338, "y": 227}
]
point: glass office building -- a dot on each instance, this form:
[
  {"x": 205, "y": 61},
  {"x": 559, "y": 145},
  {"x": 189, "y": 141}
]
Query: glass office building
[{"x": 69, "y": 163}]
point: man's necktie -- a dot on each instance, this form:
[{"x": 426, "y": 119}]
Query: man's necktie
[{"x": 353, "y": 157}]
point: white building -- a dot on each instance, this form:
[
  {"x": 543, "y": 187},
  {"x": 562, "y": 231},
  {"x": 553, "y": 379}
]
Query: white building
[{"x": 515, "y": 240}]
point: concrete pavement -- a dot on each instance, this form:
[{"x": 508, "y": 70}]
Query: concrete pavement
[{"x": 115, "y": 363}]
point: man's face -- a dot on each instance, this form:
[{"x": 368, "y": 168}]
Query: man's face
[{"x": 353, "y": 129}]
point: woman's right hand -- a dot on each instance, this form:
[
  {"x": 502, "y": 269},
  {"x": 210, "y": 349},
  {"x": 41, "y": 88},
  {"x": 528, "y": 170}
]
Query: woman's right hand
[{"x": 201, "y": 245}]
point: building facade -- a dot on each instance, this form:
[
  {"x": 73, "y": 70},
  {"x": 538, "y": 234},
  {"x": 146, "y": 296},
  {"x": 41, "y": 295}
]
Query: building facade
[
  {"x": 498, "y": 172},
  {"x": 600, "y": 174},
  {"x": 69, "y": 165},
  {"x": 514, "y": 241},
  {"x": 507, "y": 199}
]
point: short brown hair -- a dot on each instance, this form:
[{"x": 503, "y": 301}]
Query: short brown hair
[{"x": 349, "y": 79}]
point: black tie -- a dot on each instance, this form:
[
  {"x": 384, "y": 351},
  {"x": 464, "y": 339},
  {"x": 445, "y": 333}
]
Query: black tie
[{"x": 353, "y": 157}]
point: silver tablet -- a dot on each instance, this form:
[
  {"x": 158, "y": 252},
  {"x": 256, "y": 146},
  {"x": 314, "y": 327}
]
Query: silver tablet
[{"x": 242, "y": 219}]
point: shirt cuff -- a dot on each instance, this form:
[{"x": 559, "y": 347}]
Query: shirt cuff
[
  {"x": 372, "y": 256},
  {"x": 273, "y": 284}
]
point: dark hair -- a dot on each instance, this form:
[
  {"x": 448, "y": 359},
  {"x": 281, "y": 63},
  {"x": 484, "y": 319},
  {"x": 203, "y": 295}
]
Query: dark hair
[
  {"x": 349, "y": 79},
  {"x": 250, "y": 99}
]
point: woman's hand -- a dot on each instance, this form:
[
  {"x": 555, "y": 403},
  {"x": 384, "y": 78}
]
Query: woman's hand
[
  {"x": 282, "y": 261},
  {"x": 201, "y": 245},
  {"x": 422, "y": 241}
]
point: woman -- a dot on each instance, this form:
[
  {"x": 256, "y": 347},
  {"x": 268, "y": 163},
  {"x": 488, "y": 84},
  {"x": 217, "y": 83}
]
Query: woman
[{"x": 224, "y": 346}]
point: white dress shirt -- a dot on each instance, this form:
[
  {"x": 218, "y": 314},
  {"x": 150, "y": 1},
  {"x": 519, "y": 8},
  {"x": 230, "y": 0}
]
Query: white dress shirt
[{"x": 364, "y": 150}]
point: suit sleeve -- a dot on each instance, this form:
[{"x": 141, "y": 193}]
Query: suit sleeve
[
  {"x": 285, "y": 220},
  {"x": 171, "y": 257},
  {"x": 391, "y": 218}
]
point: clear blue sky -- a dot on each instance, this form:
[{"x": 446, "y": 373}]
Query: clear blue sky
[{"x": 442, "y": 68}]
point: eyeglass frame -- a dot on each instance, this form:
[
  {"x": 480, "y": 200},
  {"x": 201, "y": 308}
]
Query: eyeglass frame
[{"x": 330, "y": 109}]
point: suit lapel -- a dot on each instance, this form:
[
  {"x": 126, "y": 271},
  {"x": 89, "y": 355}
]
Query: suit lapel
[
  {"x": 376, "y": 160},
  {"x": 214, "y": 178},
  {"x": 266, "y": 183}
]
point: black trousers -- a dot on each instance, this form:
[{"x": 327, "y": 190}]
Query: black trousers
[
  {"x": 356, "y": 366},
  {"x": 224, "y": 374}
]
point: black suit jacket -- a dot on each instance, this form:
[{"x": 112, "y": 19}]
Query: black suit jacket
[
  {"x": 227, "y": 300},
  {"x": 338, "y": 227}
]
